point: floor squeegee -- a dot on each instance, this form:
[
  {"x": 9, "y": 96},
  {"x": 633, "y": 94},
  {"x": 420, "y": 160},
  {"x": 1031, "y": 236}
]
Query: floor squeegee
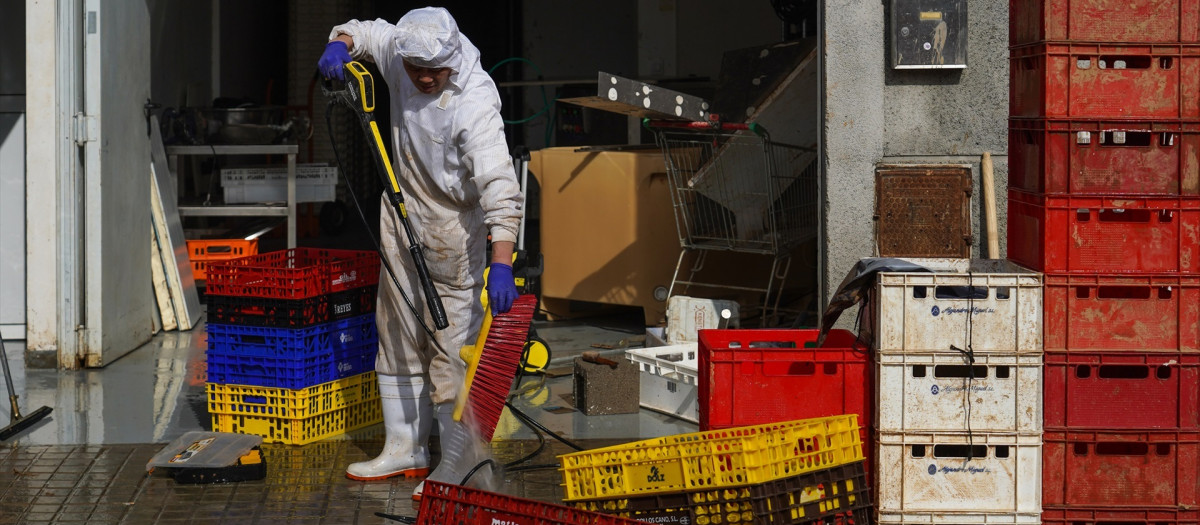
[{"x": 18, "y": 422}]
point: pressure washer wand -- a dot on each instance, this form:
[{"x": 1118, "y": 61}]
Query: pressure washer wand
[{"x": 359, "y": 96}]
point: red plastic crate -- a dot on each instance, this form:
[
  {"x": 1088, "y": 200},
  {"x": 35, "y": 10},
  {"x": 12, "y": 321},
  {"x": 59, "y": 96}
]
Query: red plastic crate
[
  {"x": 1118, "y": 516},
  {"x": 297, "y": 273},
  {"x": 202, "y": 252},
  {"x": 1076, "y": 80},
  {"x": 443, "y": 504},
  {"x": 1106, "y": 313},
  {"x": 754, "y": 377},
  {"x": 1097, "y": 157},
  {"x": 1072, "y": 234},
  {"x": 1135, "y": 469},
  {"x": 290, "y": 313},
  {"x": 1033, "y": 21},
  {"x": 1117, "y": 391}
]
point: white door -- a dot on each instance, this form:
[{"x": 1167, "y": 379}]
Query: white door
[
  {"x": 115, "y": 255},
  {"x": 12, "y": 170}
]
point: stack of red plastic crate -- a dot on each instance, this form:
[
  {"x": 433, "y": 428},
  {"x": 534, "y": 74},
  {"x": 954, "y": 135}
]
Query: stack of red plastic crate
[
  {"x": 292, "y": 344},
  {"x": 1104, "y": 159}
]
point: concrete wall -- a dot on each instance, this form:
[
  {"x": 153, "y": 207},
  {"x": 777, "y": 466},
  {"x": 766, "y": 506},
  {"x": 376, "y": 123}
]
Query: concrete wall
[{"x": 875, "y": 115}]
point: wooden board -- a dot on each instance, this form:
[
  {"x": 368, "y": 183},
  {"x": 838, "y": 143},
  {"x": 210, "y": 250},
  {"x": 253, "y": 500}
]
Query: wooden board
[
  {"x": 162, "y": 292},
  {"x": 176, "y": 265}
]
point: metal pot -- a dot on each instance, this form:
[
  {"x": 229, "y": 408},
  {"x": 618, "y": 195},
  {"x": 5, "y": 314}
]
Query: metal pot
[{"x": 245, "y": 125}]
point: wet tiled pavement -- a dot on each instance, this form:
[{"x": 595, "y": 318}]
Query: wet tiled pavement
[
  {"x": 86, "y": 462},
  {"x": 304, "y": 485}
]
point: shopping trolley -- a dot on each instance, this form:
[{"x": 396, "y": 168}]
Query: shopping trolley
[{"x": 736, "y": 190}]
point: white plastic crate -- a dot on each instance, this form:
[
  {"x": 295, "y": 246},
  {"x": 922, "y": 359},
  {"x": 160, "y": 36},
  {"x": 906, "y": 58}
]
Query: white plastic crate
[
  {"x": 959, "y": 518},
  {"x": 981, "y": 304},
  {"x": 929, "y": 473},
  {"x": 314, "y": 183},
  {"x": 316, "y": 173},
  {"x": 928, "y": 392},
  {"x": 667, "y": 376}
]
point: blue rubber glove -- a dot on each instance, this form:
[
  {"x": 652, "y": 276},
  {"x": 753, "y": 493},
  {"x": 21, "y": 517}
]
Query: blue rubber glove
[
  {"x": 333, "y": 61},
  {"x": 502, "y": 290}
]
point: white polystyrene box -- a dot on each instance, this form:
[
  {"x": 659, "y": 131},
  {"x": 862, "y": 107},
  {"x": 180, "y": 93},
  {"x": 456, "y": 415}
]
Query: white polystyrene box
[
  {"x": 686, "y": 315},
  {"x": 919, "y": 473},
  {"x": 937, "y": 392},
  {"x": 667, "y": 376},
  {"x": 927, "y": 311}
]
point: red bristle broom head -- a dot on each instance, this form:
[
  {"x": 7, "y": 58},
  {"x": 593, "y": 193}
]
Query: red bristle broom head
[{"x": 498, "y": 363}]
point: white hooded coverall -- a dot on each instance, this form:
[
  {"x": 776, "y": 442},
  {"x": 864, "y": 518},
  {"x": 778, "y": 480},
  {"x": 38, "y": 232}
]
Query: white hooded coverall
[{"x": 456, "y": 175}]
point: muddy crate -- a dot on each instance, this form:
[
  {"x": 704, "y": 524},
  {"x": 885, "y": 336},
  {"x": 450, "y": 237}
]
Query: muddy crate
[
  {"x": 943, "y": 392},
  {"x": 1104, "y": 157},
  {"x": 1115, "y": 468},
  {"x": 1165, "y": 21},
  {"x": 1122, "y": 390},
  {"x": 988, "y": 306},
  {"x": 931, "y": 473},
  {"x": 1105, "y": 81},
  {"x": 1122, "y": 313}
]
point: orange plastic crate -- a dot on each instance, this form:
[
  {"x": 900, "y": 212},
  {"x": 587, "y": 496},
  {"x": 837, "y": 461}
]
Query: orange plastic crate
[{"x": 203, "y": 251}]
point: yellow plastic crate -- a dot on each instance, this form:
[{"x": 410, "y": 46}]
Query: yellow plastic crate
[
  {"x": 302, "y": 431},
  {"x": 806, "y": 498},
  {"x": 725, "y": 458},
  {"x": 296, "y": 416},
  {"x": 291, "y": 403}
]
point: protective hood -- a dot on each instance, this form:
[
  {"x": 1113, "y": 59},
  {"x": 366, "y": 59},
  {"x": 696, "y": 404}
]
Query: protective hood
[{"x": 429, "y": 37}]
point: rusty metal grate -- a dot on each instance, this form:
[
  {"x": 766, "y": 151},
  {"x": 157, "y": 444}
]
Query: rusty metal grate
[{"x": 923, "y": 211}]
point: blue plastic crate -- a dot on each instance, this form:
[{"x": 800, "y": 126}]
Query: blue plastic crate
[
  {"x": 262, "y": 341},
  {"x": 321, "y": 366}
]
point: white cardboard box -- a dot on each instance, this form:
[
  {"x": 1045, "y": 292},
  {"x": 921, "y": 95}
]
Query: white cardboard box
[{"x": 667, "y": 376}]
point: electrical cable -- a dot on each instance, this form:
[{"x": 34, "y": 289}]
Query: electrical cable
[
  {"x": 531, "y": 421},
  {"x": 396, "y": 517},
  {"x": 969, "y": 357},
  {"x": 375, "y": 237}
]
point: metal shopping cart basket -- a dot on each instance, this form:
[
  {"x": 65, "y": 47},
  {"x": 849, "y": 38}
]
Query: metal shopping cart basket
[{"x": 736, "y": 190}]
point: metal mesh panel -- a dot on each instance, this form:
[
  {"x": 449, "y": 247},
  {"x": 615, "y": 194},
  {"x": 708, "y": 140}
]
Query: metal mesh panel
[{"x": 923, "y": 211}]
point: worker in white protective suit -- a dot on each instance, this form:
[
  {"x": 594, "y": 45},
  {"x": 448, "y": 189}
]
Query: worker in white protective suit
[{"x": 459, "y": 185}]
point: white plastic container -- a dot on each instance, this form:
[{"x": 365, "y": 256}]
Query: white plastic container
[
  {"x": 314, "y": 183},
  {"x": 686, "y": 315},
  {"x": 928, "y": 392},
  {"x": 928, "y": 473},
  {"x": 667, "y": 376},
  {"x": 982, "y": 304}
]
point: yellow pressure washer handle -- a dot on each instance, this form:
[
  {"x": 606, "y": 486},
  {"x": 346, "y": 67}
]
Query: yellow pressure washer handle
[{"x": 361, "y": 92}]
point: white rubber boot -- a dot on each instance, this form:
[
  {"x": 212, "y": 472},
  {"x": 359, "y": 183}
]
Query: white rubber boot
[
  {"x": 407, "y": 422},
  {"x": 461, "y": 451}
]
